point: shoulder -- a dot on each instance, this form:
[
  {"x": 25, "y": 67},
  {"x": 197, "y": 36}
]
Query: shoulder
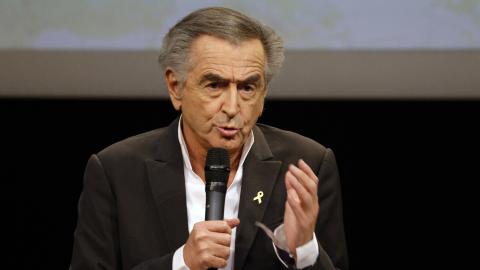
[
  {"x": 284, "y": 143},
  {"x": 141, "y": 146},
  {"x": 284, "y": 139}
]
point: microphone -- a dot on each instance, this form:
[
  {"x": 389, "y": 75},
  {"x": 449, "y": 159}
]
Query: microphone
[{"x": 217, "y": 169}]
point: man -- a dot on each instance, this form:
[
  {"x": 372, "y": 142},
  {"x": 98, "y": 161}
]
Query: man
[{"x": 143, "y": 201}]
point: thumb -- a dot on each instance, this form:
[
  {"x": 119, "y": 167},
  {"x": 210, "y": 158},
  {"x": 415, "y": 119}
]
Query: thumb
[{"x": 233, "y": 222}]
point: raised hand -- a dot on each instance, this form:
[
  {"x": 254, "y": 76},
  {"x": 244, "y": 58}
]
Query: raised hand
[{"x": 301, "y": 206}]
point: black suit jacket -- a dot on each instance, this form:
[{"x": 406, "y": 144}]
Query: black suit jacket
[{"x": 133, "y": 215}]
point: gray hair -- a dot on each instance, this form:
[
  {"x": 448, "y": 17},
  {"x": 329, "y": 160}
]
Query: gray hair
[{"x": 223, "y": 23}]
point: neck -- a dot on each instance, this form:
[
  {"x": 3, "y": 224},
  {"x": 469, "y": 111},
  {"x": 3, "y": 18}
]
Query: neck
[
  {"x": 197, "y": 159},
  {"x": 197, "y": 153}
]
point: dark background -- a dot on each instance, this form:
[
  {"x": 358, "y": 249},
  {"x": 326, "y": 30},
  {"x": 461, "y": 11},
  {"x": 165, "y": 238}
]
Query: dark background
[{"x": 408, "y": 171}]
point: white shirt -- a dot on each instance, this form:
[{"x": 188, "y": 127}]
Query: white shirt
[{"x": 195, "y": 196}]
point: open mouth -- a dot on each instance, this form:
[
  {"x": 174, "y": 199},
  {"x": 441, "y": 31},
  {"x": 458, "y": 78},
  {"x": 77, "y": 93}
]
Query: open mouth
[{"x": 228, "y": 131}]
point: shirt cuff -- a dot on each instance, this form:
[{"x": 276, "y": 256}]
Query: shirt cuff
[
  {"x": 306, "y": 254},
  {"x": 178, "y": 263}
]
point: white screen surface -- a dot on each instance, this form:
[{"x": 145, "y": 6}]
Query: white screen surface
[
  {"x": 335, "y": 48},
  {"x": 307, "y": 24}
]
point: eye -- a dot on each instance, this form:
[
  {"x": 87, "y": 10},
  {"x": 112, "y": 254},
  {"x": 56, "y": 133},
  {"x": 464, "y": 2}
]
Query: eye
[
  {"x": 213, "y": 85},
  {"x": 247, "y": 87}
]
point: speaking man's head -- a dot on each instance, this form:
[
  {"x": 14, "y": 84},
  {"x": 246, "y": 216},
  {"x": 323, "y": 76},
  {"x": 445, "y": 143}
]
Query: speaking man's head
[{"x": 217, "y": 64}]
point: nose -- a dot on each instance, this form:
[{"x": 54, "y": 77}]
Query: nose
[{"x": 231, "y": 106}]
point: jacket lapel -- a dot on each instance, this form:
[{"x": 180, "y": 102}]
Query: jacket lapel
[
  {"x": 260, "y": 175},
  {"x": 165, "y": 174}
]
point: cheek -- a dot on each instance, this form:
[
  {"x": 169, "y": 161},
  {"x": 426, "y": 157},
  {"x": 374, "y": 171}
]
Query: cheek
[
  {"x": 211, "y": 109},
  {"x": 204, "y": 115},
  {"x": 202, "y": 107},
  {"x": 257, "y": 108},
  {"x": 253, "y": 111}
]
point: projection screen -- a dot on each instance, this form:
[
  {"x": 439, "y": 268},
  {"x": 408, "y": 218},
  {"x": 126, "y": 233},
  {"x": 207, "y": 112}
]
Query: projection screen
[{"x": 335, "y": 48}]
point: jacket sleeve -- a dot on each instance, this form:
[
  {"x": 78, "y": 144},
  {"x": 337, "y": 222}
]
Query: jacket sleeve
[
  {"x": 329, "y": 228},
  {"x": 96, "y": 238}
]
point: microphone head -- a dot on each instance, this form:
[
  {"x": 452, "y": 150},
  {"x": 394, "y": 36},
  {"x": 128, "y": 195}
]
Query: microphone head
[{"x": 217, "y": 165}]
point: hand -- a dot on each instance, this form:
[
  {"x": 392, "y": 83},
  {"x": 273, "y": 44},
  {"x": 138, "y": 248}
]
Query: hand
[
  {"x": 301, "y": 207},
  {"x": 208, "y": 245}
]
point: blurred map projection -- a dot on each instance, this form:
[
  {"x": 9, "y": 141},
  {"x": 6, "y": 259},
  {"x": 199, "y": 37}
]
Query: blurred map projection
[{"x": 306, "y": 24}]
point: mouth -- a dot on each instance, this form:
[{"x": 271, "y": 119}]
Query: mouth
[{"x": 228, "y": 132}]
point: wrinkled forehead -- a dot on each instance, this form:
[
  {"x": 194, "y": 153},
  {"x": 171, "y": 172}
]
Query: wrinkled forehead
[{"x": 212, "y": 54}]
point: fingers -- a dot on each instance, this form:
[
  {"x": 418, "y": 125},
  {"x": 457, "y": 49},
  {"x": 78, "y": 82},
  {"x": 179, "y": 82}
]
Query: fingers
[
  {"x": 305, "y": 168},
  {"x": 294, "y": 187},
  {"x": 298, "y": 194},
  {"x": 305, "y": 176},
  {"x": 302, "y": 184},
  {"x": 220, "y": 226},
  {"x": 220, "y": 251},
  {"x": 209, "y": 244},
  {"x": 214, "y": 262},
  {"x": 211, "y": 256},
  {"x": 214, "y": 231},
  {"x": 217, "y": 262},
  {"x": 234, "y": 222},
  {"x": 296, "y": 205}
]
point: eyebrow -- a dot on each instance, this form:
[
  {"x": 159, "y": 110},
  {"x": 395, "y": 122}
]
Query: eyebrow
[
  {"x": 251, "y": 79},
  {"x": 210, "y": 77},
  {"x": 217, "y": 78}
]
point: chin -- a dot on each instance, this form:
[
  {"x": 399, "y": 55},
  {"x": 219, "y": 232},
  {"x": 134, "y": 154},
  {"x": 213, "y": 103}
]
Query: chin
[{"x": 230, "y": 144}]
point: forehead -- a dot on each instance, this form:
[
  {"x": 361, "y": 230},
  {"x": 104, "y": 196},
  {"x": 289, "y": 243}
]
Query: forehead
[{"x": 215, "y": 55}]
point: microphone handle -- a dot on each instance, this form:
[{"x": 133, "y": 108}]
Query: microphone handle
[{"x": 215, "y": 205}]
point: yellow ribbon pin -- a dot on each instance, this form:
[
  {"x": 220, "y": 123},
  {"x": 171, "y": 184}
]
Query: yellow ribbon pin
[{"x": 259, "y": 197}]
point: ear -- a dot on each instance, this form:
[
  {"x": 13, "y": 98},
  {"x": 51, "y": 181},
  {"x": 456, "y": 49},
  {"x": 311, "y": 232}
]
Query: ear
[
  {"x": 265, "y": 92},
  {"x": 174, "y": 88},
  {"x": 262, "y": 101}
]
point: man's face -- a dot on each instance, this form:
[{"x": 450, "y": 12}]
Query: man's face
[{"x": 223, "y": 94}]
